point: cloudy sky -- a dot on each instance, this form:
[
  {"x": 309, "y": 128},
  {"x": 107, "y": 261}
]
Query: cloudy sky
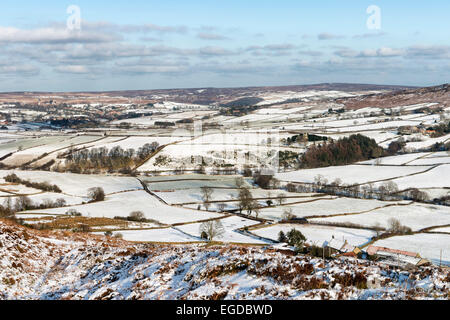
[{"x": 137, "y": 44}]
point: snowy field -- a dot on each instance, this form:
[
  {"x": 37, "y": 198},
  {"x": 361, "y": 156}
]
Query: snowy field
[
  {"x": 328, "y": 207},
  {"x": 378, "y": 136},
  {"x": 122, "y": 204},
  {"x": 416, "y": 216},
  {"x": 443, "y": 229},
  {"x": 317, "y": 235},
  {"x": 28, "y": 142},
  {"x": 409, "y": 158},
  {"x": 184, "y": 154},
  {"x": 239, "y": 138},
  {"x": 190, "y": 183},
  {"x": 195, "y": 195},
  {"x": 230, "y": 225},
  {"x": 78, "y": 184},
  {"x": 434, "y": 178},
  {"x": 169, "y": 235},
  {"x": 22, "y": 157},
  {"x": 11, "y": 189},
  {"x": 50, "y": 196},
  {"x": 352, "y": 174},
  {"x": 420, "y": 145},
  {"x": 375, "y": 126},
  {"x": 431, "y": 161}
]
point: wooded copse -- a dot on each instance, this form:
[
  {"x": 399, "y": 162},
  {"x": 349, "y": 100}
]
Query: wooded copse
[
  {"x": 342, "y": 152},
  {"x": 115, "y": 159}
]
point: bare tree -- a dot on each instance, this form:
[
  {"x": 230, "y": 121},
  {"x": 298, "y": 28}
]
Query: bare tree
[
  {"x": 137, "y": 216},
  {"x": 22, "y": 203},
  {"x": 212, "y": 229},
  {"x": 239, "y": 182},
  {"x": 245, "y": 199},
  {"x": 222, "y": 206},
  {"x": 396, "y": 227},
  {"x": 206, "y": 196},
  {"x": 281, "y": 198},
  {"x": 418, "y": 195},
  {"x": 257, "y": 209},
  {"x": 60, "y": 202},
  {"x": 96, "y": 194},
  {"x": 320, "y": 181},
  {"x": 48, "y": 203},
  {"x": 287, "y": 214}
]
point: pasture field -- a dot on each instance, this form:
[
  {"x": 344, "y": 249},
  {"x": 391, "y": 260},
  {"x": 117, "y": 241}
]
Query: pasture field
[
  {"x": 317, "y": 235},
  {"x": 416, "y": 216}
]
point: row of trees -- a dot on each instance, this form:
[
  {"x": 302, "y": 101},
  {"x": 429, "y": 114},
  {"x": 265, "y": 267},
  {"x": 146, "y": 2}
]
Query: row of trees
[
  {"x": 10, "y": 207},
  {"x": 44, "y": 186},
  {"x": 114, "y": 159},
  {"x": 245, "y": 200},
  {"x": 388, "y": 190},
  {"x": 22, "y": 203}
]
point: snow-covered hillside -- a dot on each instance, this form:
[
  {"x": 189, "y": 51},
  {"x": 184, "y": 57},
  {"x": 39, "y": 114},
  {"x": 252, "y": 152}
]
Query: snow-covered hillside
[{"x": 36, "y": 265}]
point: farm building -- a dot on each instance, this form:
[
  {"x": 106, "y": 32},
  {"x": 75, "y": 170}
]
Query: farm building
[
  {"x": 339, "y": 247},
  {"x": 397, "y": 258}
]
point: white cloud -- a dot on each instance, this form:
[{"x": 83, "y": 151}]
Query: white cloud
[
  {"x": 53, "y": 35},
  {"x": 77, "y": 69}
]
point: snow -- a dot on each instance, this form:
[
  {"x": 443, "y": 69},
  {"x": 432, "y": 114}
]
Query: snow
[
  {"x": 378, "y": 136},
  {"x": 50, "y": 266},
  {"x": 41, "y": 197},
  {"x": 22, "y": 157},
  {"x": 238, "y": 138},
  {"x": 194, "y": 195},
  {"x": 325, "y": 208},
  {"x": 183, "y": 154},
  {"x": 193, "y": 183},
  {"x": 317, "y": 235},
  {"x": 416, "y": 216},
  {"x": 434, "y": 178},
  {"x": 443, "y": 229},
  {"x": 122, "y": 204},
  {"x": 376, "y": 126},
  {"x": 78, "y": 184},
  {"x": 168, "y": 235},
  {"x": 230, "y": 226},
  {"x": 431, "y": 161},
  {"x": 427, "y": 143},
  {"x": 27, "y": 142},
  {"x": 352, "y": 174},
  {"x": 409, "y": 158}
]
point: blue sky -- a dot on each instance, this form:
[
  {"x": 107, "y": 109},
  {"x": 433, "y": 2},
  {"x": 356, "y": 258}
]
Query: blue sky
[{"x": 138, "y": 44}]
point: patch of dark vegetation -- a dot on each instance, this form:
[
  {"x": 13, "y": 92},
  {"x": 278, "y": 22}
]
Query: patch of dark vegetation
[
  {"x": 44, "y": 186},
  {"x": 243, "y": 102},
  {"x": 440, "y": 130},
  {"x": 358, "y": 280},
  {"x": 342, "y": 152},
  {"x": 137, "y": 216},
  {"x": 305, "y": 138}
]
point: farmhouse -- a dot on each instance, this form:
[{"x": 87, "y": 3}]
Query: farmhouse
[
  {"x": 397, "y": 258},
  {"x": 342, "y": 247},
  {"x": 406, "y": 130}
]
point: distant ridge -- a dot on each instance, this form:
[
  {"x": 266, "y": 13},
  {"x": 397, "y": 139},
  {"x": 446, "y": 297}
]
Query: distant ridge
[
  {"x": 318, "y": 86},
  {"x": 438, "y": 94}
]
